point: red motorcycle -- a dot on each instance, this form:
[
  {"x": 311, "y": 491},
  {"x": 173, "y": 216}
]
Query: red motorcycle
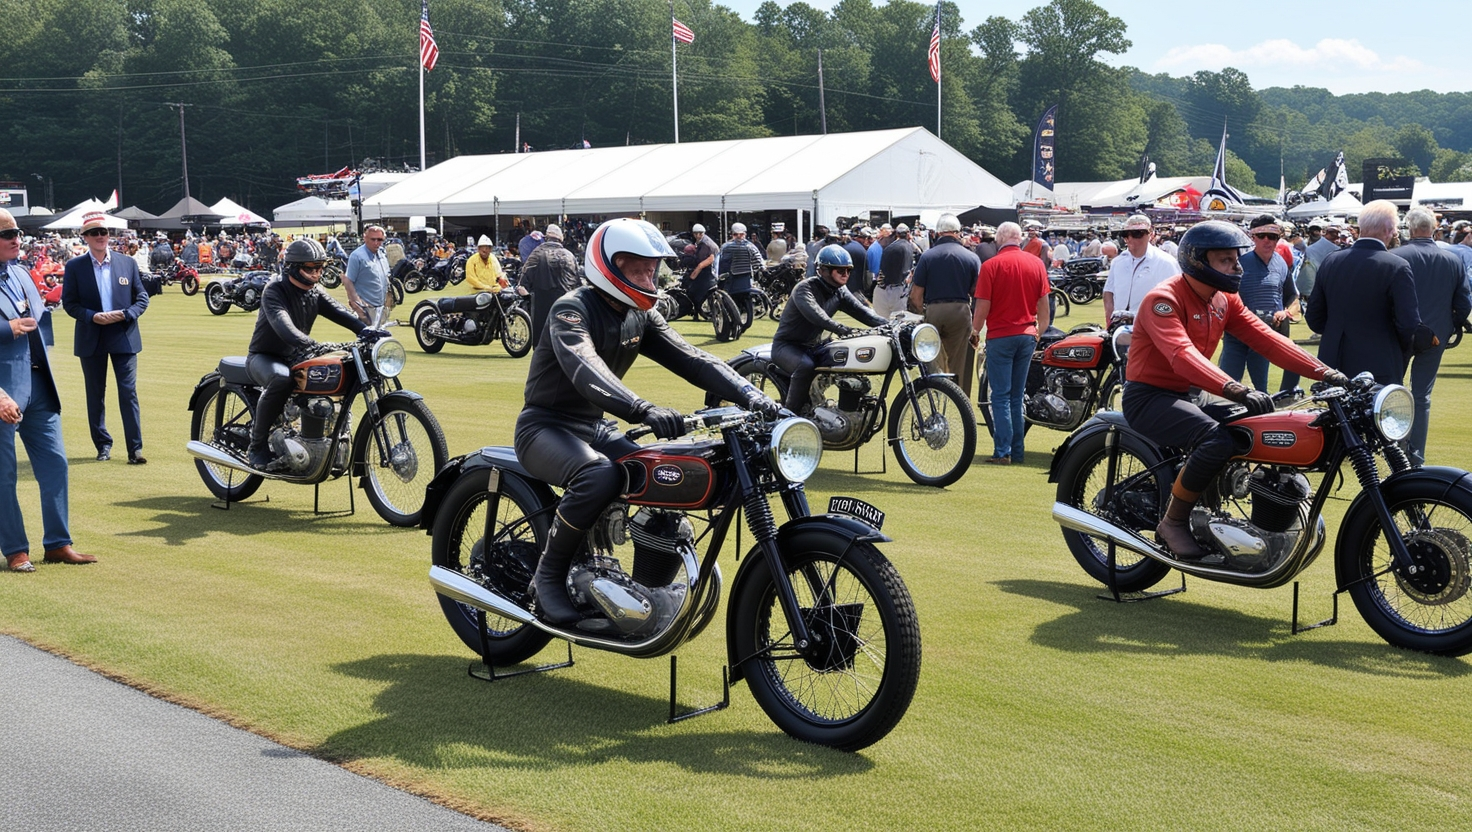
[
  {"x": 181, "y": 273},
  {"x": 1073, "y": 375}
]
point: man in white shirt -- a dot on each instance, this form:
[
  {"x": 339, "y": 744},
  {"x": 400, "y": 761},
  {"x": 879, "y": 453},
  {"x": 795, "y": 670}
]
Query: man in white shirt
[{"x": 1137, "y": 269}]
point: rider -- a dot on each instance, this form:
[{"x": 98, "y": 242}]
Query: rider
[
  {"x": 483, "y": 269},
  {"x": 593, "y": 335},
  {"x": 289, "y": 306},
  {"x": 1179, "y": 325},
  {"x": 809, "y": 313}
]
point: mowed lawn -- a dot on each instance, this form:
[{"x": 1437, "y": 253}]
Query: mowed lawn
[{"x": 1039, "y": 705}]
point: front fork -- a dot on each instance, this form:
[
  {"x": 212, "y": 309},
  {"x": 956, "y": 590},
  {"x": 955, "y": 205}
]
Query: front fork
[
  {"x": 764, "y": 528},
  {"x": 1362, "y": 459}
]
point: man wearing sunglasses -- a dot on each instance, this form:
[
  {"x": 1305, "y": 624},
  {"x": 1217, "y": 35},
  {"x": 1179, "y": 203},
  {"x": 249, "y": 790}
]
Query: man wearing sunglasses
[
  {"x": 1141, "y": 268},
  {"x": 102, "y": 290},
  {"x": 1267, "y": 291}
]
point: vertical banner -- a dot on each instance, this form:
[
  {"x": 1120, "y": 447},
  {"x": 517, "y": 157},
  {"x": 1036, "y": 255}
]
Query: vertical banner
[{"x": 1042, "y": 148}]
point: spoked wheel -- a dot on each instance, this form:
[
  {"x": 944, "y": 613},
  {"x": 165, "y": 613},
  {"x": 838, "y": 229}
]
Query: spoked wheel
[
  {"x": 396, "y": 287},
  {"x": 399, "y": 455},
  {"x": 761, "y": 304},
  {"x": 1430, "y": 610},
  {"x": 425, "y": 326},
  {"x": 855, "y": 680},
  {"x": 720, "y": 309},
  {"x": 933, "y": 432},
  {"x": 224, "y": 419},
  {"x": 459, "y": 544},
  {"x": 1136, "y": 503},
  {"x": 1111, "y": 391},
  {"x": 778, "y": 298},
  {"x": 214, "y": 299},
  {"x": 331, "y": 276},
  {"x": 190, "y": 284},
  {"x": 749, "y": 369},
  {"x": 516, "y": 334},
  {"x": 1080, "y": 291},
  {"x": 1060, "y": 302}
]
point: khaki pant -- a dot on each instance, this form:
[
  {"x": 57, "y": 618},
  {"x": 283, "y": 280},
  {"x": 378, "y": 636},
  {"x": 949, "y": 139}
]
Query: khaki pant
[{"x": 954, "y": 322}]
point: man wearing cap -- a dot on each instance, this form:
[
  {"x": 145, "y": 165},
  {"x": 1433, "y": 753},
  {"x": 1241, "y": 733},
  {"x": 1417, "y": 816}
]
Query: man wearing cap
[
  {"x": 945, "y": 277},
  {"x": 549, "y": 273},
  {"x": 777, "y": 247},
  {"x": 1138, "y": 270},
  {"x": 1034, "y": 244},
  {"x": 1267, "y": 290},
  {"x": 1093, "y": 246},
  {"x": 895, "y": 266},
  {"x": 102, "y": 291},
  {"x": 739, "y": 261},
  {"x": 861, "y": 281},
  {"x": 702, "y": 278},
  {"x": 820, "y": 239},
  {"x": 483, "y": 270}
]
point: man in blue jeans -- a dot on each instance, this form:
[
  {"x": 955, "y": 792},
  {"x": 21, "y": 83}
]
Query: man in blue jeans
[
  {"x": 1012, "y": 305},
  {"x": 1267, "y": 290}
]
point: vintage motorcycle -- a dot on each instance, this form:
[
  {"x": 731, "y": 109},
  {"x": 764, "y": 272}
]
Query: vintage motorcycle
[
  {"x": 818, "y": 621},
  {"x": 181, "y": 273},
  {"x": 445, "y": 271},
  {"x": 332, "y": 274},
  {"x": 244, "y": 291},
  {"x": 1072, "y": 375},
  {"x": 474, "y": 320},
  {"x": 1083, "y": 278},
  {"x": 395, "y": 451},
  {"x": 931, "y": 425},
  {"x": 1403, "y": 553}
]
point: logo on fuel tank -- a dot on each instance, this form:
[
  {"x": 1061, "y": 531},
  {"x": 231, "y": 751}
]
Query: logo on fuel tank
[
  {"x": 1279, "y": 438},
  {"x": 668, "y": 474}
]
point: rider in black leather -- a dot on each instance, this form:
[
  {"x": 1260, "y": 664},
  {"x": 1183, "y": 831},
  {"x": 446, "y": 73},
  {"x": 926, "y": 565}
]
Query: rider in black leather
[
  {"x": 289, "y": 307},
  {"x": 593, "y": 336},
  {"x": 809, "y": 315}
]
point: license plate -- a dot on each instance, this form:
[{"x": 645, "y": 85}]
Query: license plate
[{"x": 857, "y": 509}]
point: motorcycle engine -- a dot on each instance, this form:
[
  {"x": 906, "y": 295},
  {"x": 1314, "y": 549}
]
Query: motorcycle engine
[
  {"x": 317, "y": 414},
  {"x": 1061, "y": 401},
  {"x": 847, "y": 422},
  {"x": 661, "y": 539},
  {"x": 300, "y": 455},
  {"x": 1279, "y": 499}
]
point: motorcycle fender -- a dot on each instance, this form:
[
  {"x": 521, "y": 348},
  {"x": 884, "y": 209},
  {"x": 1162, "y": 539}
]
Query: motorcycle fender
[
  {"x": 482, "y": 460},
  {"x": 1101, "y": 421},
  {"x": 1447, "y": 479},
  {"x": 207, "y": 385},
  {"x": 838, "y": 528}
]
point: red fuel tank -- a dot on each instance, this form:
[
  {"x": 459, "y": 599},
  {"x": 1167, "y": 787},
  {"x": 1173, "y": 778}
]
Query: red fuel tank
[
  {"x": 674, "y": 474},
  {"x": 1083, "y": 351},
  {"x": 1284, "y": 438}
]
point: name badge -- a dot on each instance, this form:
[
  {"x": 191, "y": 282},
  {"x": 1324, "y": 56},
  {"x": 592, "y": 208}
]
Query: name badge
[
  {"x": 122, "y": 281},
  {"x": 22, "y": 306}
]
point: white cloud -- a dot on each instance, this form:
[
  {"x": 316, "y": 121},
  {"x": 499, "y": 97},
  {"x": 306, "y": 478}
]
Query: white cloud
[{"x": 1330, "y": 56}]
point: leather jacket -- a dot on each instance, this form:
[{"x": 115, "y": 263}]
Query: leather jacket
[
  {"x": 284, "y": 325},
  {"x": 809, "y": 312}
]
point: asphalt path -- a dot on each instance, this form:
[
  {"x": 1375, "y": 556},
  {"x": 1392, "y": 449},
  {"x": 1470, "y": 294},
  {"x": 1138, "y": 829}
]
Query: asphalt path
[{"x": 79, "y": 751}]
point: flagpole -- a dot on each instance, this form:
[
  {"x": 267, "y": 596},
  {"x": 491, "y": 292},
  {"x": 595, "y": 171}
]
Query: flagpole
[
  {"x": 674, "y": 72},
  {"x": 937, "y": 74},
  {"x": 421, "y": 115}
]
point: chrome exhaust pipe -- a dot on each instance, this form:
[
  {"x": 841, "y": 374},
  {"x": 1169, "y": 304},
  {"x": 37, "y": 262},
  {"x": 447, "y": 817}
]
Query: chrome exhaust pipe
[
  {"x": 1069, "y": 517},
  {"x": 209, "y": 453},
  {"x": 457, "y": 587}
]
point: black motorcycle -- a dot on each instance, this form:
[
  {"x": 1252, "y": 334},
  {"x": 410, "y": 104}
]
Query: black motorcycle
[
  {"x": 445, "y": 271},
  {"x": 244, "y": 292},
  {"x": 474, "y": 320},
  {"x": 333, "y": 273},
  {"x": 1083, "y": 278}
]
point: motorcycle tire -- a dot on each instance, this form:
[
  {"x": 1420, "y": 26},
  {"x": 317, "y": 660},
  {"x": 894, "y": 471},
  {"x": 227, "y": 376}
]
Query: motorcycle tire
[
  {"x": 777, "y": 301},
  {"x": 1060, "y": 301},
  {"x": 458, "y": 543},
  {"x": 683, "y": 306},
  {"x": 1081, "y": 291},
  {"x": 413, "y": 283},
  {"x": 331, "y": 276},
  {"x": 396, "y": 476},
  {"x": 761, "y": 304},
  {"x": 750, "y": 369},
  {"x": 1456, "y": 337},
  {"x": 516, "y": 334},
  {"x": 855, "y": 689},
  {"x": 725, "y": 318},
  {"x": 397, "y": 288},
  {"x": 1081, "y": 479},
  {"x": 251, "y": 302},
  {"x": 1430, "y": 611},
  {"x": 215, "y": 300},
  {"x": 984, "y": 400},
  {"x": 231, "y": 429},
  {"x": 428, "y": 341},
  {"x": 434, "y": 282},
  {"x": 1111, "y": 391},
  {"x": 932, "y": 429},
  {"x": 190, "y": 284}
]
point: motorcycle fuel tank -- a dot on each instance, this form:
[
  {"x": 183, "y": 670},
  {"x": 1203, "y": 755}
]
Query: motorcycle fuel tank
[
  {"x": 320, "y": 376},
  {"x": 1083, "y": 351},
  {"x": 1283, "y": 438},
  {"x": 674, "y": 474},
  {"x": 864, "y": 354}
]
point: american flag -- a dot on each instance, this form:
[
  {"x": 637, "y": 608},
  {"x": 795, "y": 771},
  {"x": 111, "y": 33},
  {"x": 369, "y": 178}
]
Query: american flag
[
  {"x": 429, "y": 51},
  {"x": 682, "y": 32},
  {"x": 933, "y": 56}
]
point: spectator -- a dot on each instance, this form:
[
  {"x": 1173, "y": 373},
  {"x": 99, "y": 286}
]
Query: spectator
[
  {"x": 895, "y": 265},
  {"x": 549, "y": 273},
  {"x": 482, "y": 269},
  {"x": 528, "y": 244},
  {"x": 190, "y": 252},
  {"x": 1266, "y": 291},
  {"x": 861, "y": 282},
  {"x": 945, "y": 279},
  {"x": 1141, "y": 268},
  {"x": 162, "y": 254},
  {"x": 740, "y": 261},
  {"x": 366, "y": 280},
  {"x": 777, "y": 247},
  {"x": 820, "y": 239},
  {"x": 1012, "y": 306},
  {"x": 702, "y": 278}
]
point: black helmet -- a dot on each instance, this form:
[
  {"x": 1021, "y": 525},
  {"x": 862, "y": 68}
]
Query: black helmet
[
  {"x": 1208, "y": 236},
  {"x": 305, "y": 250}
]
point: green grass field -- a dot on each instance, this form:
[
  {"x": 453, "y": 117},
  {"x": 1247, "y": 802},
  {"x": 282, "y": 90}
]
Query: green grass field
[{"x": 1039, "y": 706}]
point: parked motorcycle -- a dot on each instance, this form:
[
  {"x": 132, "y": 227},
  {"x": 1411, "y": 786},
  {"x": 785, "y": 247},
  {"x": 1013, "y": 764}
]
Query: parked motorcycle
[
  {"x": 931, "y": 425},
  {"x": 244, "y": 291},
  {"x": 445, "y": 271},
  {"x": 395, "y": 451},
  {"x": 779, "y": 281},
  {"x": 179, "y": 272},
  {"x": 474, "y": 320},
  {"x": 818, "y": 621},
  {"x": 1083, "y": 278},
  {"x": 410, "y": 274},
  {"x": 1072, "y": 374},
  {"x": 1403, "y": 553},
  {"x": 333, "y": 273}
]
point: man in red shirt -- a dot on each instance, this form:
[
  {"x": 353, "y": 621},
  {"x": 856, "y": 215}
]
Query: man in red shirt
[
  {"x": 1180, "y": 323},
  {"x": 1012, "y": 304}
]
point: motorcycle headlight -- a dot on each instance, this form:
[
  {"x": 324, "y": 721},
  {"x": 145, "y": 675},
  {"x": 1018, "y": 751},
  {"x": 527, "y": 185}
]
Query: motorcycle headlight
[
  {"x": 388, "y": 357},
  {"x": 925, "y": 343},
  {"x": 1394, "y": 410},
  {"x": 796, "y": 449}
]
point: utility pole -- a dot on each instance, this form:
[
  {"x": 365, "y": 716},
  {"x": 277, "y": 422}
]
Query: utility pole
[
  {"x": 120, "y": 154},
  {"x": 822, "y": 106},
  {"x": 183, "y": 147}
]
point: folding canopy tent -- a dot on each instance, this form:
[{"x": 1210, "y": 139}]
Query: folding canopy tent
[
  {"x": 237, "y": 214},
  {"x": 314, "y": 210},
  {"x": 73, "y": 219},
  {"x": 185, "y": 213}
]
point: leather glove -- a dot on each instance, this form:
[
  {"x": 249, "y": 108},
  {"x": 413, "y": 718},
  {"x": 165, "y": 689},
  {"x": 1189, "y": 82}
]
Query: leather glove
[
  {"x": 1336, "y": 379},
  {"x": 758, "y": 403},
  {"x": 372, "y": 335},
  {"x": 666, "y": 422},
  {"x": 846, "y": 331},
  {"x": 1256, "y": 401}
]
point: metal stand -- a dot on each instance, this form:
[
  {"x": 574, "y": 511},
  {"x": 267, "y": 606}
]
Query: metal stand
[
  {"x": 317, "y": 497},
  {"x": 224, "y": 505},
  {"x": 1328, "y": 622},
  {"x": 486, "y": 672},
  {"x": 676, "y": 716},
  {"x": 1111, "y": 441}
]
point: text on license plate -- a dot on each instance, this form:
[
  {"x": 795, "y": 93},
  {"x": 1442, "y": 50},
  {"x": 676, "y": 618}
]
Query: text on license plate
[{"x": 858, "y": 509}]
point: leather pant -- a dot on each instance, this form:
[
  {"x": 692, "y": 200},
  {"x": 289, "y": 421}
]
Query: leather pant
[
  {"x": 578, "y": 457},
  {"x": 274, "y": 377},
  {"x": 796, "y": 360},
  {"x": 1170, "y": 419}
]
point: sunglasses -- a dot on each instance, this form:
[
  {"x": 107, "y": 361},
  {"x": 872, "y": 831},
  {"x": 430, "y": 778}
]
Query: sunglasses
[
  {"x": 1267, "y": 236},
  {"x": 10, "y": 233},
  {"x": 96, "y": 232},
  {"x": 1137, "y": 233},
  {"x": 840, "y": 269},
  {"x": 312, "y": 267}
]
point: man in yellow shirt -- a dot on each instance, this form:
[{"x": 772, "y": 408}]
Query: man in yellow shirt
[{"x": 483, "y": 269}]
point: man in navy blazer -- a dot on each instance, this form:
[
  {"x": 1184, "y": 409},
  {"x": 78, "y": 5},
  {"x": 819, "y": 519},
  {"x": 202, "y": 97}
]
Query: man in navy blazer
[
  {"x": 1364, "y": 303},
  {"x": 103, "y": 292}
]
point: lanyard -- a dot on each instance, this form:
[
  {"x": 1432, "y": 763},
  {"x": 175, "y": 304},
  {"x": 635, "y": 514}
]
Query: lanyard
[{"x": 19, "y": 297}]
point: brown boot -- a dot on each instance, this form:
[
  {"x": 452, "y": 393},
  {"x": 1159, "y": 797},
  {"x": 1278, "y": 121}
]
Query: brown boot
[
  {"x": 1175, "y": 528},
  {"x": 66, "y": 554}
]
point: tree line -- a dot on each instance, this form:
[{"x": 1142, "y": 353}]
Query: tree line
[{"x": 275, "y": 89}]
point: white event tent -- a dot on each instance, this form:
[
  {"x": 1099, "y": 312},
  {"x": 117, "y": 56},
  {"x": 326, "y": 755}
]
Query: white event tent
[
  {"x": 904, "y": 171},
  {"x": 73, "y": 219},
  {"x": 314, "y": 210},
  {"x": 237, "y": 214}
]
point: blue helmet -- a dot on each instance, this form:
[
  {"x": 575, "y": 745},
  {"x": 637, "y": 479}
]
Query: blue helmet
[{"x": 835, "y": 255}]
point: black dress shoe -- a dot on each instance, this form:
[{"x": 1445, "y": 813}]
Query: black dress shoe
[
  {"x": 104, "y": 454},
  {"x": 136, "y": 458}
]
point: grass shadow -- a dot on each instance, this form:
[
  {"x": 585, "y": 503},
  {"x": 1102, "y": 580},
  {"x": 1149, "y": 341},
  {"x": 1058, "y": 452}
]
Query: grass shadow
[
  {"x": 1163, "y": 627},
  {"x": 892, "y": 481},
  {"x": 181, "y": 520},
  {"x": 435, "y": 716}
]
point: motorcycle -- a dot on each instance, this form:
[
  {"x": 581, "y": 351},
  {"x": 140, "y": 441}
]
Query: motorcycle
[
  {"x": 818, "y": 621},
  {"x": 244, "y": 291},
  {"x": 1083, "y": 278},
  {"x": 185, "y": 275},
  {"x": 1403, "y": 553},
  {"x": 395, "y": 451},
  {"x": 931, "y": 425},
  {"x": 446, "y": 271},
  {"x": 474, "y": 320},
  {"x": 1072, "y": 374},
  {"x": 778, "y": 282},
  {"x": 332, "y": 274}
]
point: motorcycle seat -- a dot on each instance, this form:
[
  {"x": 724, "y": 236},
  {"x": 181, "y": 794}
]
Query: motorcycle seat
[
  {"x": 464, "y": 303},
  {"x": 232, "y": 370},
  {"x": 1051, "y": 334}
]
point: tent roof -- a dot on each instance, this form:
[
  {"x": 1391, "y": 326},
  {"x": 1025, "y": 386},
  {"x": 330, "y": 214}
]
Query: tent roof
[
  {"x": 188, "y": 207},
  {"x": 1343, "y": 204},
  {"x": 133, "y": 212},
  {"x": 237, "y": 214},
  {"x": 313, "y": 209},
  {"x": 73, "y": 218}
]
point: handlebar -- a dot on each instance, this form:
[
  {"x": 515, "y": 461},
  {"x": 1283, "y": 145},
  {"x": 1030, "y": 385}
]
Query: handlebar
[{"x": 715, "y": 418}]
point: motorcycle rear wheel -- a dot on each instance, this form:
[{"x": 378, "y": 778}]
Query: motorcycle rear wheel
[
  {"x": 413, "y": 282},
  {"x": 720, "y": 309},
  {"x": 428, "y": 341},
  {"x": 1432, "y": 610},
  {"x": 933, "y": 434},
  {"x": 458, "y": 544},
  {"x": 856, "y": 686},
  {"x": 214, "y": 299},
  {"x": 331, "y": 276},
  {"x": 397, "y": 288},
  {"x": 516, "y": 333},
  {"x": 395, "y": 476},
  {"x": 232, "y": 429},
  {"x": 1081, "y": 478},
  {"x": 761, "y": 304}
]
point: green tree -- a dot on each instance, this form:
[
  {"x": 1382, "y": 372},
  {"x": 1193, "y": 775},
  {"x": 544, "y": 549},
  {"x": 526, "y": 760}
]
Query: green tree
[{"x": 1417, "y": 145}]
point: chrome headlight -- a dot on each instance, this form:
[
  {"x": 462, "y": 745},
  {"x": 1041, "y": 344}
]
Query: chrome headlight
[
  {"x": 1394, "y": 410},
  {"x": 796, "y": 449},
  {"x": 925, "y": 343},
  {"x": 388, "y": 357}
]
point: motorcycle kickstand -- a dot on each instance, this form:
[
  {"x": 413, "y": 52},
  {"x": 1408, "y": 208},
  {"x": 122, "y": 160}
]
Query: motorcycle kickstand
[
  {"x": 317, "y": 500},
  {"x": 1111, "y": 442},
  {"x": 676, "y": 716},
  {"x": 486, "y": 672},
  {"x": 224, "y": 505},
  {"x": 1328, "y": 622}
]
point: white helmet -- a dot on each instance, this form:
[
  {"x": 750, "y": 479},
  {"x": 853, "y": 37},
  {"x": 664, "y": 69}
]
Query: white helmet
[
  {"x": 484, "y": 241},
  {"x": 738, "y": 228},
  {"x": 628, "y": 236}
]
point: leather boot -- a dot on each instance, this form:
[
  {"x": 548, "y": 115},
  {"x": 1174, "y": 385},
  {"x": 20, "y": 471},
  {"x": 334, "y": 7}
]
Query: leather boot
[
  {"x": 1175, "y": 528},
  {"x": 549, "y": 584}
]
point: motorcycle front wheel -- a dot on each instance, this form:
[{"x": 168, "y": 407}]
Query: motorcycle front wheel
[
  {"x": 331, "y": 276},
  {"x": 1430, "y": 611},
  {"x": 229, "y": 428},
  {"x": 516, "y": 334},
  {"x": 400, "y": 453},
  {"x": 428, "y": 340},
  {"x": 214, "y": 299},
  {"x": 1081, "y": 291},
  {"x": 932, "y": 429},
  {"x": 413, "y": 283},
  {"x": 720, "y": 309},
  {"x": 190, "y": 284},
  {"x": 1060, "y": 301},
  {"x": 1136, "y": 502},
  {"x": 397, "y": 288},
  {"x": 459, "y": 545},
  {"x": 852, "y": 687}
]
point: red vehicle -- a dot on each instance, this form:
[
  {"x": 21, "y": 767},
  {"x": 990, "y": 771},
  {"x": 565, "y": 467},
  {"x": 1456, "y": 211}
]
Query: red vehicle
[{"x": 1073, "y": 375}]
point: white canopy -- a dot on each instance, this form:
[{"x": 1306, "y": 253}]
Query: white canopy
[
  {"x": 902, "y": 171},
  {"x": 1344, "y": 204},
  {"x": 237, "y": 214},
  {"x": 314, "y": 210},
  {"x": 73, "y": 219}
]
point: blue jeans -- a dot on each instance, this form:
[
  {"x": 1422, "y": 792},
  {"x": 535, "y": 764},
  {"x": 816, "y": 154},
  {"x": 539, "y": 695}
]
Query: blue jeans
[
  {"x": 1007, "y": 360},
  {"x": 1237, "y": 356},
  {"x": 40, "y": 430},
  {"x": 1423, "y": 378}
]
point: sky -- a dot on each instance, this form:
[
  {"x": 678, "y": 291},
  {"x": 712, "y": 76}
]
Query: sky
[{"x": 1336, "y": 46}]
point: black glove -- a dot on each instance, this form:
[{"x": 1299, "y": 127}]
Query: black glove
[
  {"x": 372, "y": 335},
  {"x": 667, "y": 423},
  {"x": 758, "y": 403},
  {"x": 1256, "y": 401},
  {"x": 846, "y": 331},
  {"x": 1336, "y": 379}
]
